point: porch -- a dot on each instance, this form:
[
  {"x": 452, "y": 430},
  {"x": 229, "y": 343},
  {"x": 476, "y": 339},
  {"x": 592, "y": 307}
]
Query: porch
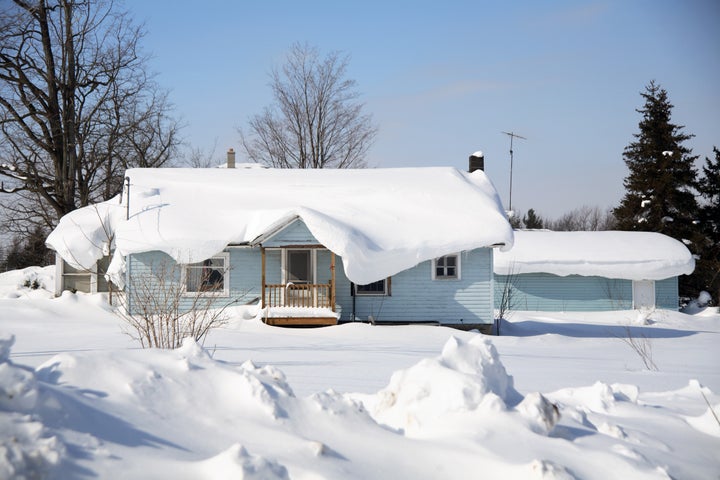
[{"x": 298, "y": 299}]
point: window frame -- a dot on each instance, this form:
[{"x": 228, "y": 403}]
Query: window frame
[
  {"x": 94, "y": 275},
  {"x": 225, "y": 292},
  {"x": 386, "y": 292},
  {"x": 458, "y": 269}
]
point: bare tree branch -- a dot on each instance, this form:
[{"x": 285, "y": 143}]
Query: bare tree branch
[
  {"x": 315, "y": 121},
  {"x": 77, "y": 107}
]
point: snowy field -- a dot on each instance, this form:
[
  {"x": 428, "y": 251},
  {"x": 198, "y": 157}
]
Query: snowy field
[{"x": 556, "y": 396}]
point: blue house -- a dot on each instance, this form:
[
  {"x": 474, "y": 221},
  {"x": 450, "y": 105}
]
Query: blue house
[
  {"x": 590, "y": 271},
  {"x": 309, "y": 247}
]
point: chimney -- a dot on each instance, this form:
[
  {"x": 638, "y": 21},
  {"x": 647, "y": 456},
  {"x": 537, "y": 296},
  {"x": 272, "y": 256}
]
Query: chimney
[
  {"x": 231, "y": 158},
  {"x": 477, "y": 162}
]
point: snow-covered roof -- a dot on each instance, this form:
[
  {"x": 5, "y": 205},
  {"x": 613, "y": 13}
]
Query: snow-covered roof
[
  {"x": 380, "y": 221},
  {"x": 611, "y": 254}
]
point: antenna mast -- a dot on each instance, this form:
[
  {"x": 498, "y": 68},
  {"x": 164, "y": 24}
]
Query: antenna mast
[{"x": 512, "y": 136}]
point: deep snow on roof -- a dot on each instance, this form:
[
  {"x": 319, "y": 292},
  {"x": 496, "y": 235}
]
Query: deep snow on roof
[
  {"x": 611, "y": 254},
  {"x": 380, "y": 221}
]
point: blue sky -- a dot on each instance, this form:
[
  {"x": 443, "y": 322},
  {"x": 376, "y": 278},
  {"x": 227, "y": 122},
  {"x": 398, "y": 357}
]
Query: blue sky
[{"x": 444, "y": 79}]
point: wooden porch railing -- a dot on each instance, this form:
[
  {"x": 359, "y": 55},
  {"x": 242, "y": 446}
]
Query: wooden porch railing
[{"x": 299, "y": 295}]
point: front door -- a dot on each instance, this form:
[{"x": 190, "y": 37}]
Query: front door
[
  {"x": 299, "y": 267},
  {"x": 644, "y": 294}
]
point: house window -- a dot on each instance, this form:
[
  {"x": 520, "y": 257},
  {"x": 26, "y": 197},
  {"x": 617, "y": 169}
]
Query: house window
[
  {"x": 210, "y": 276},
  {"x": 75, "y": 279},
  {"x": 446, "y": 268},
  {"x": 88, "y": 280},
  {"x": 381, "y": 287}
]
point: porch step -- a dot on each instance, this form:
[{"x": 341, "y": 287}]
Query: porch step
[{"x": 301, "y": 321}]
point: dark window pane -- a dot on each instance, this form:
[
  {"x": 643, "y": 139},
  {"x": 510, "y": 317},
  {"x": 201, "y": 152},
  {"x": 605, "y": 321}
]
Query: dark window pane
[{"x": 375, "y": 287}]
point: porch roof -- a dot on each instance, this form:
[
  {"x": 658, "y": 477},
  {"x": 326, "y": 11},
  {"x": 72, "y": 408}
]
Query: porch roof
[{"x": 379, "y": 221}]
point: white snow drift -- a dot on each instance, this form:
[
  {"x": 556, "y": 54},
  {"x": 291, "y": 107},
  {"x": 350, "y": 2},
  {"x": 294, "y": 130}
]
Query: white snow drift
[{"x": 561, "y": 396}]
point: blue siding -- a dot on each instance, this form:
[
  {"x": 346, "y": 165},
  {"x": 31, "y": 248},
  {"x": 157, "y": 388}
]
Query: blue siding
[
  {"x": 575, "y": 293},
  {"x": 273, "y": 267},
  {"x": 415, "y": 296},
  {"x": 296, "y": 233},
  {"x": 667, "y": 294},
  {"x": 159, "y": 273}
]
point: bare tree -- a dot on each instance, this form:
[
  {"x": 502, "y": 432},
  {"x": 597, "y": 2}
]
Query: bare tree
[
  {"x": 584, "y": 218},
  {"x": 315, "y": 121},
  {"x": 77, "y": 107},
  {"x": 160, "y": 313},
  {"x": 197, "y": 157}
]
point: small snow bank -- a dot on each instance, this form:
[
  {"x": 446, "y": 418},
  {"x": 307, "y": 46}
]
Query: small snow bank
[
  {"x": 237, "y": 464},
  {"x": 466, "y": 380},
  {"x": 26, "y": 449},
  {"x": 699, "y": 304},
  {"x": 30, "y": 282},
  {"x": 611, "y": 254}
]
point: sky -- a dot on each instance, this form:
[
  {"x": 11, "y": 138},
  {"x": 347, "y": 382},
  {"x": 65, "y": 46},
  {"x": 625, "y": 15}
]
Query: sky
[{"x": 445, "y": 79}]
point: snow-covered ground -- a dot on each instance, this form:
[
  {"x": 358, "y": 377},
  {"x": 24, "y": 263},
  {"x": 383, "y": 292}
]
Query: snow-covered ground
[{"x": 556, "y": 396}]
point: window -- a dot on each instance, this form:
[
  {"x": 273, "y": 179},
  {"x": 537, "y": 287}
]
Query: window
[
  {"x": 381, "y": 287},
  {"x": 76, "y": 280},
  {"x": 88, "y": 280},
  {"x": 209, "y": 276},
  {"x": 446, "y": 268}
]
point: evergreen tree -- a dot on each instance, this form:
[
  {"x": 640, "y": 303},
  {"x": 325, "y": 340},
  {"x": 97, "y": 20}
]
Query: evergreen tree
[
  {"x": 28, "y": 252},
  {"x": 708, "y": 266},
  {"x": 532, "y": 220},
  {"x": 515, "y": 221},
  {"x": 659, "y": 195}
]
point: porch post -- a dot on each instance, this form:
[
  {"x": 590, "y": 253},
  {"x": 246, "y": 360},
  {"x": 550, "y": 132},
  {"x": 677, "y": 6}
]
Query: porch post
[
  {"x": 262, "y": 288},
  {"x": 332, "y": 281}
]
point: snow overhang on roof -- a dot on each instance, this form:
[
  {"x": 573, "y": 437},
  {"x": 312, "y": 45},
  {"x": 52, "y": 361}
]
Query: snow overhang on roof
[
  {"x": 611, "y": 254},
  {"x": 379, "y": 221}
]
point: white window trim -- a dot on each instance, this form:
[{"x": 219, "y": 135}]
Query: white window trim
[
  {"x": 458, "y": 268},
  {"x": 226, "y": 279}
]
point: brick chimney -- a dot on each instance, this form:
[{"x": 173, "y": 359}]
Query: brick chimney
[
  {"x": 231, "y": 158},
  {"x": 477, "y": 162}
]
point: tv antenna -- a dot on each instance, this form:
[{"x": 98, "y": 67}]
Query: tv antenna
[{"x": 512, "y": 136}]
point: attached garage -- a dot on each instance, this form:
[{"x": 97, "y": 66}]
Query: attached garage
[{"x": 590, "y": 271}]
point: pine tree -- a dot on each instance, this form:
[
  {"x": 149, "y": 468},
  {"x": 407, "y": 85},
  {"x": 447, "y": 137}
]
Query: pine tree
[
  {"x": 659, "y": 193},
  {"x": 708, "y": 266},
  {"x": 532, "y": 220},
  {"x": 659, "y": 186},
  {"x": 28, "y": 252}
]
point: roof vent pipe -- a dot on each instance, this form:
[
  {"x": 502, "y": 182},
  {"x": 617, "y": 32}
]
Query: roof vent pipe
[
  {"x": 477, "y": 162},
  {"x": 231, "y": 158}
]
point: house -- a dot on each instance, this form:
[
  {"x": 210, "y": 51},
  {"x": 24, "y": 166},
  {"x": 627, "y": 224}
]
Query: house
[
  {"x": 313, "y": 247},
  {"x": 591, "y": 271}
]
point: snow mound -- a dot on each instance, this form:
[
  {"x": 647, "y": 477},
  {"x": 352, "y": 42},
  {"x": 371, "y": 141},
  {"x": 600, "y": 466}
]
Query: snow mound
[
  {"x": 26, "y": 451},
  {"x": 622, "y": 255},
  {"x": 708, "y": 422},
  {"x": 465, "y": 382},
  {"x": 236, "y": 463},
  {"x": 30, "y": 282}
]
